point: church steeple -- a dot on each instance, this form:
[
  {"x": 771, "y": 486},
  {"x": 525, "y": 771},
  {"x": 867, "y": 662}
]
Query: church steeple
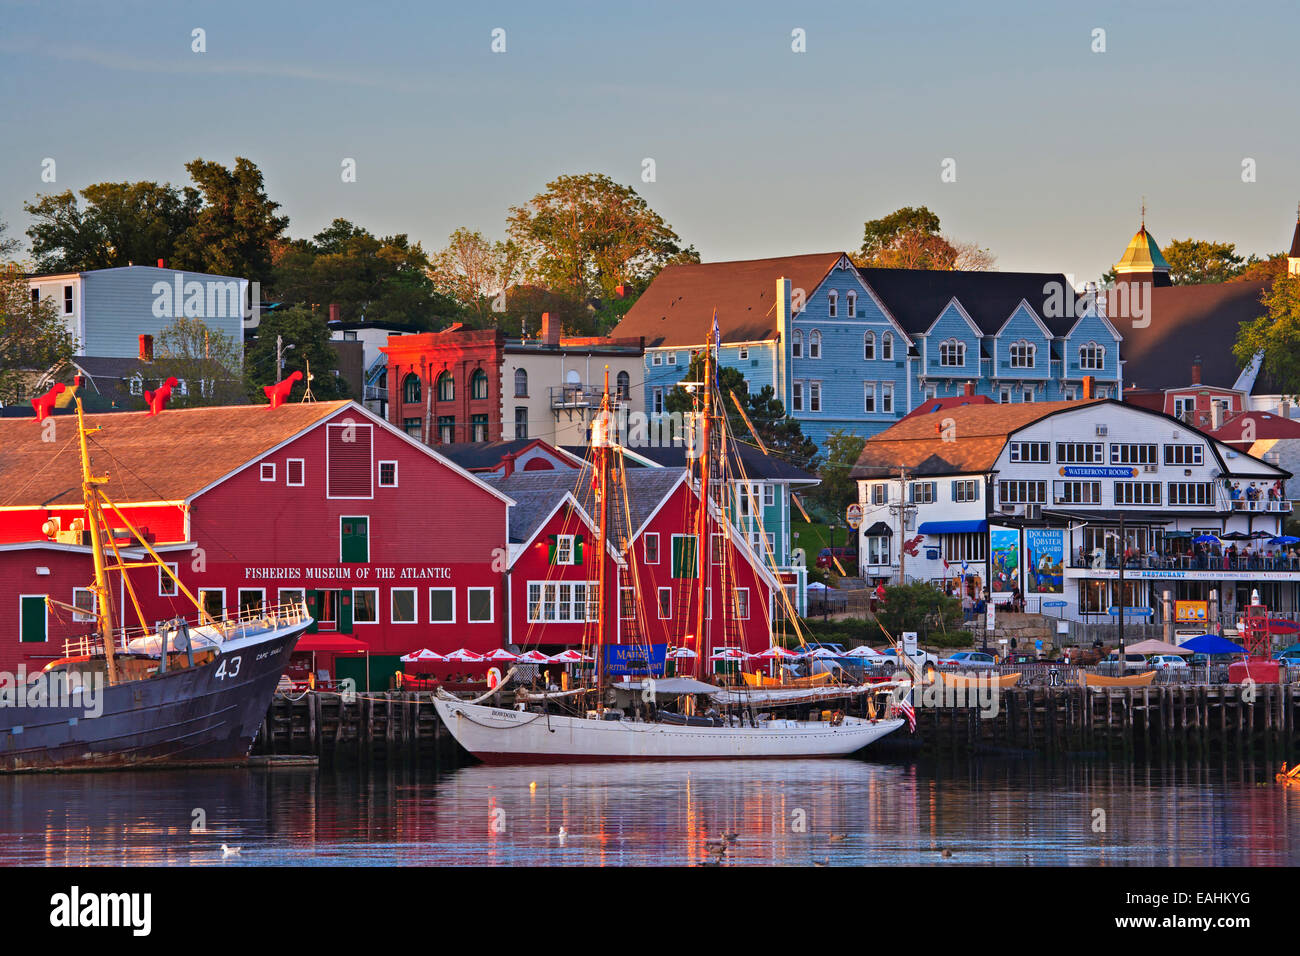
[
  {"x": 1142, "y": 260},
  {"x": 1293, "y": 257}
]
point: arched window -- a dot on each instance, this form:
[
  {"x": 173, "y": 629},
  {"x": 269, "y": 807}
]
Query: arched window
[
  {"x": 411, "y": 388},
  {"x": 952, "y": 353},
  {"x": 851, "y": 304},
  {"x": 869, "y": 346},
  {"x": 446, "y": 387},
  {"x": 624, "y": 385},
  {"x": 887, "y": 347},
  {"x": 1092, "y": 356},
  {"x": 1022, "y": 354},
  {"x": 521, "y": 383},
  {"x": 814, "y": 344},
  {"x": 478, "y": 384},
  {"x": 796, "y": 344},
  {"x": 832, "y": 305}
]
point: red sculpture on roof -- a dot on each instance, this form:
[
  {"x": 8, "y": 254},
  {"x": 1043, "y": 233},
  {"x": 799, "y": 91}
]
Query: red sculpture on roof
[
  {"x": 278, "y": 394},
  {"x": 44, "y": 404},
  {"x": 157, "y": 401}
]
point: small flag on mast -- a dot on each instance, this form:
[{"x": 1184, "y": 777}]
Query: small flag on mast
[{"x": 717, "y": 332}]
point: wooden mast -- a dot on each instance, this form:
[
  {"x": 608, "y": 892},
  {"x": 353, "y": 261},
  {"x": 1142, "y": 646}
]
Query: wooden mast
[
  {"x": 702, "y": 524},
  {"x": 600, "y": 438},
  {"x": 94, "y": 518}
]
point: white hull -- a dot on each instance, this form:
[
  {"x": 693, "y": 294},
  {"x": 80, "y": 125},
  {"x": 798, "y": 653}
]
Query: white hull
[{"x": 495, "y": 734}]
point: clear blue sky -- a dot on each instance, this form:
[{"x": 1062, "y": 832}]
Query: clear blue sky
[{"x": 759, "y": 151}]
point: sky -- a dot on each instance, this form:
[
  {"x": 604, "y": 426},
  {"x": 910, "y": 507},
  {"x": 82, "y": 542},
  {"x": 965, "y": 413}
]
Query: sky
[{"x": 757, "y": 150}]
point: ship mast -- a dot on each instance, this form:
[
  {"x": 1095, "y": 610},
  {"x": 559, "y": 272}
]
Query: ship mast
[
  {"x": 95, "y": 520},
  {"x": 702, "y": 522},
  {"x": 600, "y": 439}
]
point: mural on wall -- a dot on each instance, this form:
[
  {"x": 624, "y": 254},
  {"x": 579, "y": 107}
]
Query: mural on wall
[
  {"x": 1004, "y": 557},
  {"x": 1044, "y": 560}
]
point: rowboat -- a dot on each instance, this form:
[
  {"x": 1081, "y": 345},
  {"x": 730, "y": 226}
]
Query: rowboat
[
  {"x": 1132, "y": 680},
  {"x": 981, "y": 680}
]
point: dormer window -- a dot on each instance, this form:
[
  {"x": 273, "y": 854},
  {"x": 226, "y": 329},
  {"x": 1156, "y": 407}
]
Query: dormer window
[
  {"x": 887, "y": 347},
  {"x": 952, "y": 353},
  {"x": 136, "y": 385},
  {"x": 833, "y": 303},
  {"x": 814, "y": 344},
  {"x": 1092, "y": 356},
  {"x": 1022, "y": 354},
  {"x": 868, "y": 346}
]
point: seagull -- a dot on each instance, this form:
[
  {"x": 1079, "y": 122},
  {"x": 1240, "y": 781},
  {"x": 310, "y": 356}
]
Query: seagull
[
  {"x": 563, "y": 833},
  {"x": 229, "y": 850}
]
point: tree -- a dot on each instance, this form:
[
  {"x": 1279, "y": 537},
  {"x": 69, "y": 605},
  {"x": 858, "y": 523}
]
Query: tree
[
  {"x": 205, "y": 360},
  {"x": 34, "y": 339},
  {"x": 476, "y": 273},
  {"x": 780, "y": 433},
  {"x": 1256, "y": 268},
  {"x": 909, "y": 238},
  {"x": 367, "y": 277},
  {"x": 909, "y": 607},
  {"x": 8, "y": 244},
  {"x": 120, "y": 224},
  {"x": 838, "y": 489},
  {"x": 236, "y": 225},
  {"x": 306, "y": 339},
  {"x": 1276, "y": 334},
  {"x": 586, "y": 235},
  {"x": 1198, "y": 261}
]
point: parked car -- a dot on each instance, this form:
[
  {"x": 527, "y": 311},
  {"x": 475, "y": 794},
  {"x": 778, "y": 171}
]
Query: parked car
[
  {"x": 848, "y": 557},
  {"x": 1166, "y": 661},
  {"x": 924, "y": 659},
  {"x": 969, "y": 660},
  {"x": 1133, "y": 664}
]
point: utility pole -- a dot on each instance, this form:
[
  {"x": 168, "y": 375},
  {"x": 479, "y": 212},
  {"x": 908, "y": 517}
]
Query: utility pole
[{"x": 903, "y": 510}]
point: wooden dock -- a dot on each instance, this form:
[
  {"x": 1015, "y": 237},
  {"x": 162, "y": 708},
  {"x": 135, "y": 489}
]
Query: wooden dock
[{"x": 1144, "y": 724}]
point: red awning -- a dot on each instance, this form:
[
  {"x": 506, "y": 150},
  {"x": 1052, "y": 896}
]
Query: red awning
[{"x": 331, "y": 644}]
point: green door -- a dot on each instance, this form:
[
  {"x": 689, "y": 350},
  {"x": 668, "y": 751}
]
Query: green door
[
  {"x": 382, "y": 669},
  {"x": 313, "y": 608},
  {"x": 354, "y": 540},
  {"x": 345, "y": 611},
  {"x": 685, "y": 563},
  {"x": 32, "y": 611}
]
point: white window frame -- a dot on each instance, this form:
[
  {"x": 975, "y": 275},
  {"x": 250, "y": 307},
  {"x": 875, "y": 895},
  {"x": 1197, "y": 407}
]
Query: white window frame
[
  {"x": 742, "y": 604},
  {"x": 300, "y": 596},
  {"x": 565, "y": 549},
  {"x": 796, "y": 344},
  {"x": 868, "y": 346},
  {"x": 1023, "y": 354},
  {"x": 261, "y": 600},
  {"x": 656, "y": 358},
  {"x": 452, "y": 592},
  {"x": 492, "y": 608},
  {"x": 814, "y": 345},
  {"x": 379, "y": 474},
  {"x": 887, "y": 398},
  {"x": 355, "y": 605},
  {"x": 887, "y": 347},
  {"x": 952, "y": 348},
  {"x": 659, "y": 603},
  {"x": 1092, "y": 356},
  {"x": 164, "y": 580},
  {"x": 302, "y": 473},
  {"x": 796, "y": 396},
  {"x": 851, "y": 303},
  {"x": 815, "y": 397},
  {"x": 645, "y": 547},
  {"x": 672, "y": 358},
  {"x": 202, "y": 591},
  {"x": 869, "y": 398},
  {"x": 415, "y": 605},
  {"x": 832, "y": 304},
  {"x": 743, "y": 354},
  {"x": 267, "y": 471},
  {"x": 83, "y": 616}
]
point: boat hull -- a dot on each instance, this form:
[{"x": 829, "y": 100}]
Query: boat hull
[
  {"x": 498, "y": 735},
  {"x": 209, "y": 713}
]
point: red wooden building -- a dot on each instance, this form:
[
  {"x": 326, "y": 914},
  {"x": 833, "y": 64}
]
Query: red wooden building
[
  {"x": 393, "y": 546},
  {"x": 553, "y": 570}
]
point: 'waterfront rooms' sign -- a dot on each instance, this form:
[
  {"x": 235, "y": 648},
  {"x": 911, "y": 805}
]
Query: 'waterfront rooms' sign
[{"x": 350, "y": 573}]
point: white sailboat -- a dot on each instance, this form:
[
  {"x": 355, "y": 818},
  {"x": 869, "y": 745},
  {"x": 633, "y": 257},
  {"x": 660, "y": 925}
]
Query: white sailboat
[{"x": 533, "y": 732}]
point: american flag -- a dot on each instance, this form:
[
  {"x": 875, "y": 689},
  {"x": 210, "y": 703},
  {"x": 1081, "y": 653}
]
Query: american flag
[
  {"x": 717, "y": 332},
  {"x": 906, "y": 707}
]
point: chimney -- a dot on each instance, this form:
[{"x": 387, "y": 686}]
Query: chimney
[
  {"x": 550, "y": 329},
  {"x": 1088, "y": 382},
  {"x": 507, "y": 464},
  {"x": 620, "y": 291},
  {"x": 334, "y": 311},
  {"x": 1196, "y": 370},
  {"x": 968, "y": 390},
  {"x": 146, "y": 348},
  {"x": 1216, "y": 415},
  {"x": 162, "y": 263}
]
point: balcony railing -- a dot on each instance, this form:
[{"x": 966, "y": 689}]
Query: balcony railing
[
  {"x": 1189, "y": 562},
  {"x": 581, "y": 396},
  {"x": 1262, "y": 505},
  {"x": 376, "y": 393}
]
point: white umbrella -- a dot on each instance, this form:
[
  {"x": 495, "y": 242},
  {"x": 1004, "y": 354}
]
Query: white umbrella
[
  {"x": 817, "y": 586},
  {"x": 424, "y": 654},
  {"x": 774, "y": 652},
  {"x": 820, "y": 652},
  {"x": 681, "y": 652},
  {"x": 727, "y": 654},
  {"x": 500, "y": 654},
  {"x": 534, "y": 657},
  {"x": 570, "y": 657},
  {"x": 464, "y": 656},
  {"x": 863, "y": 651}
]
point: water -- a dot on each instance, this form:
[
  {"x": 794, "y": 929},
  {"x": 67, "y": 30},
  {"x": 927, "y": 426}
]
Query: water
[{"x": 852, "y": 813}]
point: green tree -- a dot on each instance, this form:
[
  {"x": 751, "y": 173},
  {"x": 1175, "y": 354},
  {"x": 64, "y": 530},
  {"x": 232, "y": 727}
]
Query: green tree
[
  {"x": 586, "y": 235},
  {"x": 1198, "y": 261},
  {"x": 909, "y": 607},
  {"x": 120, "y": 224},
  {"x": 306, "y": 339},
  {"x": 8, "y": 244},
  {"x": 34, "y": 339},
  {"x": 838, "y": 489},
  {"x": 378, "y": 279},
  {"x": 909, "y": 238},
  {"x": 236, "y": 226},
  {"x": 1276, "y": 334},
  {"x": 205, "y": 362},
  {"x": 780, "y": 433}
]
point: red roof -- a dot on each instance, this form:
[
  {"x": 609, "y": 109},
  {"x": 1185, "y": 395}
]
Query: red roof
[
  {"x": 1266, "y": 424},
  {"x": 932, "y": 405}
]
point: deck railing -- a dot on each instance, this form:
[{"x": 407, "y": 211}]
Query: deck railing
[{"x": 228, "y": 627}]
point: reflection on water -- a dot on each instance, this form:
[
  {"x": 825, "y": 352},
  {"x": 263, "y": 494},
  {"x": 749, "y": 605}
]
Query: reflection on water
[{"x": 833, "y": 812}]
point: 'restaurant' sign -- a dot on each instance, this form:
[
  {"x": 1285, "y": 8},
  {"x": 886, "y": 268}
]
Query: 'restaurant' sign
[
  {"x": 1097, "y": 471},
  {"x": 350, "y": 572}
]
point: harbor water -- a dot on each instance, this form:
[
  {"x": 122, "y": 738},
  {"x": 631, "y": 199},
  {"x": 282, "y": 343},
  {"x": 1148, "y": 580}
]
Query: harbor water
[{"x": 821, "y": 812}]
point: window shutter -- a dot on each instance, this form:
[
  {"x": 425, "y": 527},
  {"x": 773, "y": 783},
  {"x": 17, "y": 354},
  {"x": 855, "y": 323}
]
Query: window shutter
[
  {"x": 577, "y": 549},
  {"x": 550, "y": 553},
  {"x": 313, "y": 608},
  {"x": 345, "y": 612}
]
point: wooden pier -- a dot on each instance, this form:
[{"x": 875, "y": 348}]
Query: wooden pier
[{"x": 1144, "y": 724}]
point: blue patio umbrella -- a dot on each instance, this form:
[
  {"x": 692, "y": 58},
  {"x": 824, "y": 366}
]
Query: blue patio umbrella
[
  {"x": 1206, "y": 539},
  {"x": 1284, "y": 539},
  {"x": 1211, "y": 644}
]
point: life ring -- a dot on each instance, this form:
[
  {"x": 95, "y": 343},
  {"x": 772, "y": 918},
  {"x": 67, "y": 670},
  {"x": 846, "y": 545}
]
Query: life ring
[{"x": 493, "y": 677}]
